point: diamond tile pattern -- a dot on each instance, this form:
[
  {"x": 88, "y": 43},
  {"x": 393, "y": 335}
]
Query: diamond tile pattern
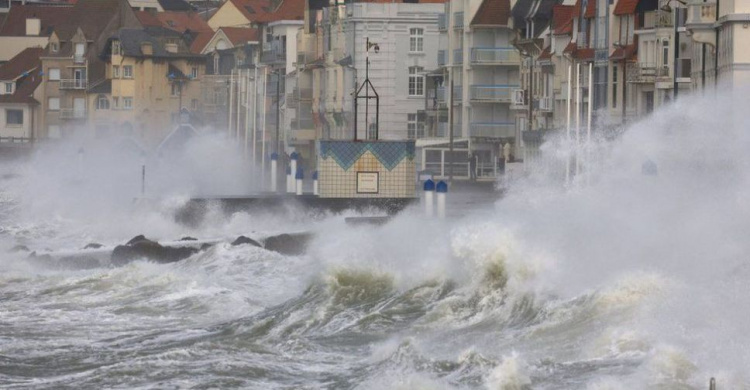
[{"x": 346, "y": 153}]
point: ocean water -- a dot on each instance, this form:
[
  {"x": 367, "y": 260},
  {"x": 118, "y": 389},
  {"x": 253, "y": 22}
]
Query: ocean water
[{"x": 617, "y": 280}]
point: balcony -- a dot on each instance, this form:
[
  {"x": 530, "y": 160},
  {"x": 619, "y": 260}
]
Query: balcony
[
  {"x": 458, "y": 20},
  {"x": 273, "y": 53},
  {"x": 493, "y": 129},
  {"x": 458, "y": 56},
  {"x": 442, "y": 22},
  {"x": 304, "y": 123},
  {"x": 492, "y": 93},
  {"x": 656, "y": 19},
  {"x": 645, "y": 72},
  {"x": 73, "y": 84},
  {"x": 72, "y": 113},
  {"x": 545, "y": 104},
  {"x": 495, "y": 56},
  {"x": 79, "y": 58},
  {"x": 457, "y": 94},
  {"x": 441, "y": 58},
  {"x": 701, "y": 15}
]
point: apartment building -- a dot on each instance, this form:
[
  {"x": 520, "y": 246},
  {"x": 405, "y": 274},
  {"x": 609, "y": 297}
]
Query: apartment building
[
  {"x": 478, "y": 58},
  {"x": 29, "y": 25},
  {"x": 152, "y": 83},
  {"x": 19, "y": 96},
  {"x": 71, "y": 63}
]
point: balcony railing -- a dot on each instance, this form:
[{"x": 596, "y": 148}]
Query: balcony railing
[
  {"x": 442, "y": 22},
  {"x": 457, "y": 92},
  {"x": 458, "y": 56},
  {"x": 79, "y": 58},
  {"x": 492, "y": 93},
  {"x": 73, "y": 84},
  {"x": 648, "y": 72},
  {"x": 493, "y": 129},
  {"x": 458, "y": 20},
  {"x": 657, "y": 19},
  {"x": 495, "y": 55},
  {"x": 441, "y": 58},
  {"x": 702, "y": 13},
  {"x": 72, "y": 113},
  {"x": 545, "y": 104}
]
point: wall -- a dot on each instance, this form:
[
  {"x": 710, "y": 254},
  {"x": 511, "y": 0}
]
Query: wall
[
  {"x": 23, "y": 131},
  {"x": 227, "y": 16}
]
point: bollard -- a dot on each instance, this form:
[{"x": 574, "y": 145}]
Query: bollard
[
  {"x": 289, "y": 179},
  {"x": 315, "y": 183},
  {"x": 274, "y": 171},
  {"x": 293, "y": 161},
  {"x": 442, "y": 189},
  {"x": 299, "y": 176},
  {"x": 712, "y": 384},
  {"x": 143, "y": 180},
  {"x": 429, "y": 194}
]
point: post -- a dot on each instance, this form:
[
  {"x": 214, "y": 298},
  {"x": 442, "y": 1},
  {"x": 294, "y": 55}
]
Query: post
[
  {"x": 293, "y": 168},
  {"x": 567, "y": 156},
  {"x": 247, "y": 113},
  {"x": 712, "y": 384},
  {"x": 429, "y": 193},
  {"x": 274, "y": 171},
  {"x": 442, "y": 189},
  {"x": 263, "y": 134},
  {"x": 231, "y": 102},
  {"x": 239, "y": 103},
  {"x": 578, "y": 118},
  {"x": 588, "y": 125},
  {"x": 315, "y": 183},
  {"x": 278, "y": 108},
  {"x": 450, "y": 131},
  {"x": 289, "y": 179},
  {"x": 624, "y": 88},
  {"x": 143, "y": 180},
  {"x": 676, "y": 51},
  {"x": 299, "y": 176},
  {"x": 255, "y": 119}
]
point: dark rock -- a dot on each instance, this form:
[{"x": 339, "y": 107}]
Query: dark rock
[
  {"x": 241, "y": 240},
  {"x": 137, "y": 238},
  {"x": 19, "y": 248},
  {"x": 93, "y": 245},
  {"x": 288, "y": 244},
  {"x": 188, "y": 238},
  {"x": 41, "y": 260},
  {"x": 206, "y": 246},
  {"x": 142, "y": 248}
]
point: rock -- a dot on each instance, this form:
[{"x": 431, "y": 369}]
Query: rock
[
  {"x": 19, "y": 248},
  {"x": 206, "y": 246},
  {"x": 141, "y": 248},
  {"x": 137, "y": 238},
  {"x": 188, "y": 238},
  {"x": 41, "y": 260},
  {"x": 73, "y": 262},
  {"x": 242, "y": 240},
  {"x": 288, "y": 244},
  {"x": 93, "y": 245}
]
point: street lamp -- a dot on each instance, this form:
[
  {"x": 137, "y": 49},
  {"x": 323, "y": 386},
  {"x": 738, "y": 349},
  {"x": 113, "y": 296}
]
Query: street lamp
[{"x": 367, "y": 85}]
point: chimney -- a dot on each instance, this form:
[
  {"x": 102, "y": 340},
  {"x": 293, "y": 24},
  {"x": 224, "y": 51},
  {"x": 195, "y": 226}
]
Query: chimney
[
  {"x": 33, "y": 26},
  {"x": 147, "y": 49}
]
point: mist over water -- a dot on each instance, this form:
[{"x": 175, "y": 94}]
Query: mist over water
[{"x": 619, "y": 280}]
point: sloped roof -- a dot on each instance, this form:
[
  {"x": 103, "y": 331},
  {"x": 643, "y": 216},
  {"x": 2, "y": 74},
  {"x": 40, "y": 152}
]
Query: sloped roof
[
  {"x": 240, "y": 35},
  {"x": 131, "y": 40},
  {"x": 492, "y": 13},
  {"x": 562, "y": 19},
  {"x": 252, "y": 9},
  {"x": 91, "y": 16},
  {"x": 173, "y": 20},
  {"x": 175, "y": 5},
  {"x": 49, "y": 15},
  {"x": 546, "y": 53},
  {"x": 105, "y": 86},
  {"x": 625, "y": 52},
  {"x": 579, "y": 53},
  {"x": 200, "y": 41},
  {"x": 625, "y": 7},
  {"x": 23, "y": 68}
]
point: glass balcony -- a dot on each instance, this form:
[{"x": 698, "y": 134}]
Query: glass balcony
[
  {"x": 495, "y": 55},
  {"x": 492, "y": 93},
  {"x": 493, "y": 129}
]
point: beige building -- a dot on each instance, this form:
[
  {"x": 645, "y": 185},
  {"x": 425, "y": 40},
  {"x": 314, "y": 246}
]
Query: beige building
[
  {"x": 152, "y": 83},
  {"x": 19, "y": 96},
  {"x": 29, "y": 25}
]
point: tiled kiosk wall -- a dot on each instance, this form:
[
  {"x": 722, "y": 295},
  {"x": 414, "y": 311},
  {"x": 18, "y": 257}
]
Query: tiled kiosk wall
[{"x": 344, "y": 167}]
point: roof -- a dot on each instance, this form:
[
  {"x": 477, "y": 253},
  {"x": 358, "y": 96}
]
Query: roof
[
  {"x": 492, "y": 13},
  {"x": 287, "y": 10},
  {"x": 625, "y": 52},
  {"x": 200, "y": 41},
  {"x": 49, "y": 15},
  {"x": 132, "y": 39},
  {"x": 579, "y": 53},
  {"x": 546, "y": 53},
  {"x": 562, "y": 19},
  {"x": 92, "y": 16},
  {"x": 175, "y": 5},
  {"x": 252, "y": 9},
  {"x": 590, "y": 9},
  {"x": 23, "y": 69},
  {"x": 241, "y": 35},
  {"x": 105, "y": 86},
  {"x": 173, "y": 20},
  {"x": 625, "y": 7}
]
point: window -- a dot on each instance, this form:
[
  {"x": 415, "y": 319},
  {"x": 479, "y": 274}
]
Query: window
[
  {"x": 14, "y": 117},
  {"x": 194, "y": 104},
  {"x": 414, "y": 127},
  {"x": 416, "y": 81},
  {"x": 115, "y": 102},
  {"x": 614, "y": 86},
  {"x": 194, "y": 73},
  {"x": 8, "y": 88},
  {"x": 127, "y": 103},
  {"x": 127, "y": 71},
  {"x": 102, "y": 103},
  {"x": 665, "y": 53},
  {"x": 53, "y": 104},
  {"x": 416, "y": 40},
  {"x": 116, "y": 71},
  {"x": 371, "y": 130},
  {"x": 176, "y": 89},
  {"x": 216, "y": 64},
  {"x": 54, "y": 74},
  {"x": 54, "y": 47},
  {"x": 116, "y": 47}
]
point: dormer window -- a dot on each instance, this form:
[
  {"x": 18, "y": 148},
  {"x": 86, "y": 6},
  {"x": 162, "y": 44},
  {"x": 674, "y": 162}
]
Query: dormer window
[
  {"x": 54, "y": 47},
  {"x": 116, "y": 48},
  {"x": 8, "y": 88}
]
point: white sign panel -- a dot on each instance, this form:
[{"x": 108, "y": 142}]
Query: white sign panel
[{"x": 367, "y": 183}]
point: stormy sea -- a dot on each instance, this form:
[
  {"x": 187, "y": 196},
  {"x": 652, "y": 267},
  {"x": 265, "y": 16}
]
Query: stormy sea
[{"x": 619, "y": 279}]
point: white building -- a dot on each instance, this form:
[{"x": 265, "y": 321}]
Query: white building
[{"x": 477, "y": 53}]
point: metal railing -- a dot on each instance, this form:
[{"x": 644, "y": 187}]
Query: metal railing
[
  {"x": 302, "y": 124},
  {"x": 646, "y": 71},
  {"x": 657, "y": 19},
  {"x": 495, "y": 55},
  {"x": 442, "y": 22},
  {"x": 72, "y": 113},
  {"x": 545, "y": 104},
  {"x": 458, "y": 56},
  {"x": 73, "y": 84},
  {"x": 493, "y": 129},
  {"x": 492, "y": 93},
  {"x": 458, "y": 20},
  {"x": 701, "y": 13},
  {"x": 79, "y": 58}
]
